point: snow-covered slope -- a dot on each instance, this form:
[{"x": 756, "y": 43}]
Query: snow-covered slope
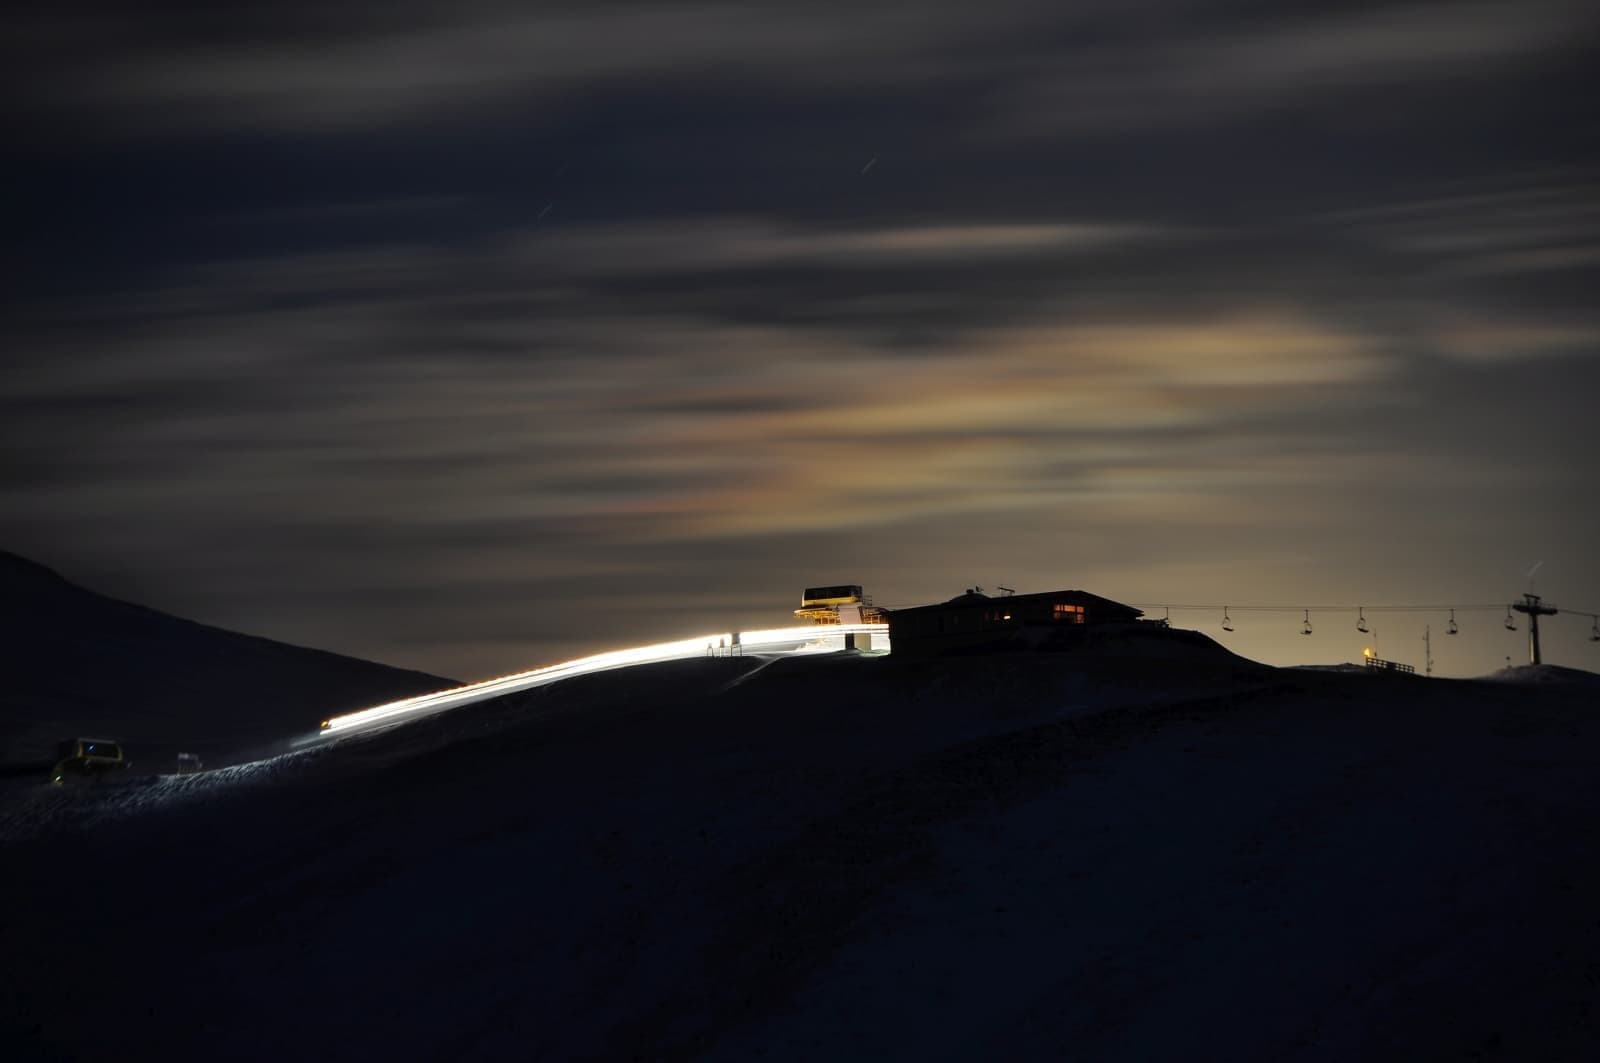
[
  {"x": 1545, "y": 673},
  {"x": 78, "y": 663},
  {"x": 1096, "y": 857}
]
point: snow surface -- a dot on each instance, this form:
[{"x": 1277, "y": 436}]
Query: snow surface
[
  {"x": 1124, "y": 855},
  {"x": 1544, "y": 673}
]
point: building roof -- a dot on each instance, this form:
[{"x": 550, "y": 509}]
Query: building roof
[{"x": 977, "y": 599}]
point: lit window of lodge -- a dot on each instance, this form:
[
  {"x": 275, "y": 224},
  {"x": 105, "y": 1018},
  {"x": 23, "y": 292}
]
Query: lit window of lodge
[{"x": 1071, "y": 614}]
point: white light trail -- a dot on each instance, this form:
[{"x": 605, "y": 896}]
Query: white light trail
[{"x": 812, "y": 638}]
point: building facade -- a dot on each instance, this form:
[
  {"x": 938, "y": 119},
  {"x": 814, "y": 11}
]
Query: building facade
[
  {"x": 974, "y": 622},
  {"x": 841, "y": 604}
]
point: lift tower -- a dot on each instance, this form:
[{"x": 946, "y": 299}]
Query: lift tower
[{"x": 1530, "y": 605}]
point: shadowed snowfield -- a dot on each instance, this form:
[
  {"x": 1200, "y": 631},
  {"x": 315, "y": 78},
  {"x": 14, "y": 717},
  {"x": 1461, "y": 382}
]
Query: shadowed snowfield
[{"x": 1139, "y": 854}]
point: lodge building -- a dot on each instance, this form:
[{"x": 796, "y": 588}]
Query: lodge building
[{"x": 974, "y": 622}]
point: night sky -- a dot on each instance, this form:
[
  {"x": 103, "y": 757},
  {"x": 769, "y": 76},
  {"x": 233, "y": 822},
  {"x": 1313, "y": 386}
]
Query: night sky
[{"x": 470, "y": 336}]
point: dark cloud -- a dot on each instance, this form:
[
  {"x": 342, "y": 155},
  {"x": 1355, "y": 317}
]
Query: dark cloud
[
  {"x": 314, "y": 67},
  {"x": 471, "y": 335}
]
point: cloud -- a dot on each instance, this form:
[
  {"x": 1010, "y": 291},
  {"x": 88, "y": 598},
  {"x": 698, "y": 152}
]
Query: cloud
[
  {"x": 1222, "y": 295},
  {"x": 704, "y": 244},
  {"x": 1547, "y": 222},
  {"x": 353, "y": 382},
  {"x": 1245, "y": 67},
  {"x": 1040, "y": 66},
  {"x": 371, "y": 65}
]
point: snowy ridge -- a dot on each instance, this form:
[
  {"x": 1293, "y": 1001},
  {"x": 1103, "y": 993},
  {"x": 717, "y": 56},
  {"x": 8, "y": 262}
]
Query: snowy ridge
[{"x": 848, "y": 856}]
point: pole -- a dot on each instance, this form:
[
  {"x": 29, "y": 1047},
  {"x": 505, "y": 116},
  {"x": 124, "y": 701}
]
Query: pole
[{"x": 1530, "y": 605}]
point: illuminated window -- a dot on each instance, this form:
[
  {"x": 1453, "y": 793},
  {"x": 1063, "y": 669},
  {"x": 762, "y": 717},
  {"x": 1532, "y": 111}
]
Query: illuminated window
[{"x": 1068, "y": 614}]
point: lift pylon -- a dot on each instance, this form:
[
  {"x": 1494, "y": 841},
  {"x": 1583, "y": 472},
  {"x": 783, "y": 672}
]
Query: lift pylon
[{"x": 1530, "y": 605}]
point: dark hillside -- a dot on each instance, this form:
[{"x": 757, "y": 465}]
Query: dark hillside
[
  {"x": 1015, "y": 857},
  {"x": 76, "y": 662}
]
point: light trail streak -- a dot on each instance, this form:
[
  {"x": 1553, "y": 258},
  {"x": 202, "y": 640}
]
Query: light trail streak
[{"x": 811, "y": 638}]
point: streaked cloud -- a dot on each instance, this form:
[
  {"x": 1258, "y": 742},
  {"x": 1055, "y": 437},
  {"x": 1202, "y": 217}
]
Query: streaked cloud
[
  {"x": 330, "y": 67},
  {"x": 702, "y": 244},
  {"x": 407, "y": 328},
  {"x": 314, "y": 73},
  {"x": 1284, "y": 60}
]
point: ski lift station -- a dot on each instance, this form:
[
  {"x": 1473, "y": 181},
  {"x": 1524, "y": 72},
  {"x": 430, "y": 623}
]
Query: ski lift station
[
  {"x": 841, "y": 604},
  {"x": 974, "y": 622}
]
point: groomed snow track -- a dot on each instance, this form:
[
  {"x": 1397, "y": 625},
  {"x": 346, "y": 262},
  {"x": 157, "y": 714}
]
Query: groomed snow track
[{"x": 788, "y": 641}]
